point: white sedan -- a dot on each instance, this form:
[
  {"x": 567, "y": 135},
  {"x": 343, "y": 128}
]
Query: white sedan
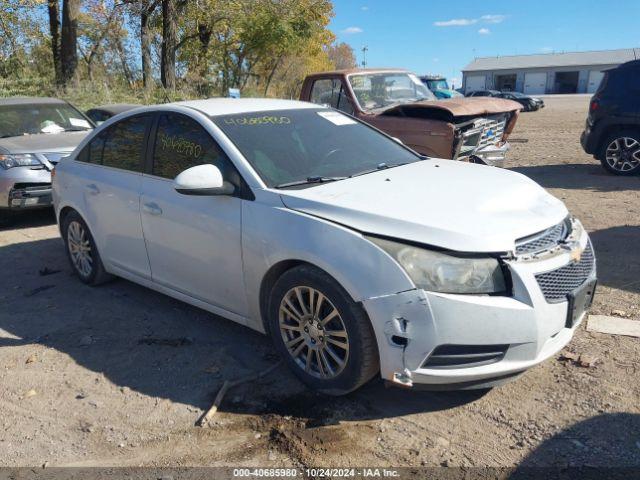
[{"x": 356, "y": 255}]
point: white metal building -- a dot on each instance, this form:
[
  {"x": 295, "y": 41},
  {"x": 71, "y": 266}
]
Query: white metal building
[{"x": 570, "y": 72}]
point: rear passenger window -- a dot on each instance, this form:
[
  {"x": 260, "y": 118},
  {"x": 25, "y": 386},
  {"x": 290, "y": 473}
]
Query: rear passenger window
[
  {"x": 124, "y": 144},
  {"x": 182, "y": 143}
]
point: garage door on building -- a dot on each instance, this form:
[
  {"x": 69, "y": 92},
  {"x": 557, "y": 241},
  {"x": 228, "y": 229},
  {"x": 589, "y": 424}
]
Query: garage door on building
[
  {"x": 535, "y": 83},
  {"x": 595, "y": 78},
  {"x": 475, "y": 82}
]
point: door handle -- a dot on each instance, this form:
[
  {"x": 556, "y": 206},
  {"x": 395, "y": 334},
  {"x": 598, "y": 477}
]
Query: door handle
[
  {"x": 93, "y": 189},
  {"x": 152, "y": 208}
]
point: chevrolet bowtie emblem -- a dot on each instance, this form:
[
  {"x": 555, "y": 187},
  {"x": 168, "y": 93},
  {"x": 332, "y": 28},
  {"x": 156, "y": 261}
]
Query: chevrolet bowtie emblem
[{"x": 576, "y": 253}]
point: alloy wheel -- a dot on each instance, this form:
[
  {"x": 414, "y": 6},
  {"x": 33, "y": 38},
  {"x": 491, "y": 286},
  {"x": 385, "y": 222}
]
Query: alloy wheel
[
  {"x": 313, "y": 332},
  {"x": 80, "y": 248},
  {"x": 623, "y": 154}
]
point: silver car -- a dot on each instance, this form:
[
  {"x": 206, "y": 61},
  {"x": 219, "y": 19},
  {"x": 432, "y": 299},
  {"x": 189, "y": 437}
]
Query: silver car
[{"x": 34, "y": 134}]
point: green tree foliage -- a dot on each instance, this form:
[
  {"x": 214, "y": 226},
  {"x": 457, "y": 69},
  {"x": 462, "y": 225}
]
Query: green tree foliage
[{"x": 155, "y": 50}]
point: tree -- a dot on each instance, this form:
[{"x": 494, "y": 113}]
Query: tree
[
  {"x": 169, "y": 42},
  {"x": 98, "y": 22},
  {"x": 144, "y": 11},
  {"x": 69, "y": 40},
  {"x": 342, "y": 56},
  {"x": 53, "y": 9}
]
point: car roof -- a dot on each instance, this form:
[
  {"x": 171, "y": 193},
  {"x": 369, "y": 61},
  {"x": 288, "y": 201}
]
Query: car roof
[
  {"x": 30, "y": 101},
  {"x": 115, "y": 108},
  {"x": 355, "y": 71},
  {"x": 633, "y": 64},
  {"x": 231, "y": 106}
]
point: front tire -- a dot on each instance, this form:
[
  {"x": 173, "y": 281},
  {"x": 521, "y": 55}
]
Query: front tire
[
  {"x": 82, "y": 250},
  {"x": 323, "y": 335},
  {"x": 620, "y": 153}
]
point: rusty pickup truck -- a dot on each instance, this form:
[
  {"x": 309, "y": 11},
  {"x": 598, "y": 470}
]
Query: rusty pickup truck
[{"x": 397, "y": 102}]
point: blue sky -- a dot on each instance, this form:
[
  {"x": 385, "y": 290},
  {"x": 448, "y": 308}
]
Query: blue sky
[{"x": 443, "y": 36}]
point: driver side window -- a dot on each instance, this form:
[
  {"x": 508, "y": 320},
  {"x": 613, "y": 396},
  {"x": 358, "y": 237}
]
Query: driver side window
[{"x": 182, "y": 143}]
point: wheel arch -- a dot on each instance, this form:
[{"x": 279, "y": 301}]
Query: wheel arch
[
  {"x": 610, "y": 129},
  {"x": 64, "y": 211},
  {"x": 271, "y": 277}
]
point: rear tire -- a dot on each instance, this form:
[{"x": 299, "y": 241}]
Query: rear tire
[
  {"x": 620, "y": 153},
  {"x": 322, "y": 334},
  {"x": 82, "y": 250}
]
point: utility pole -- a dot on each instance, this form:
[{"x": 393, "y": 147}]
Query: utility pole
[{"x": 364, "y": 56}]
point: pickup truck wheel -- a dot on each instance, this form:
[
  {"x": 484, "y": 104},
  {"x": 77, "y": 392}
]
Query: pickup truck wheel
[
  {"x": 82, "y": 251},
  {"x": 323, "y": 335},
  {"x": 620, "y": 153}
]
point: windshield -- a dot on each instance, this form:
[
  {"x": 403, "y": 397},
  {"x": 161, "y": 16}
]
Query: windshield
[
  {"x": 437, "y": 84},
  {"x": 515, "y": 95},
  {"x": 379, "y": 90},
  {"x": 286, "y": 146},
  {"x": 16, "y": 120}
]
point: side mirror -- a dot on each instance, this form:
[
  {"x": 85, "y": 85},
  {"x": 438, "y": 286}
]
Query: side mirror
[{"x": 202, "y": 180}]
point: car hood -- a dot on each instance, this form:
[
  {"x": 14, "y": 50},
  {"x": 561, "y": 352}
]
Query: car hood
[
  {"x": 444, "y": 203},
  {"x": 462, "y": 106},
  {"x": 42, "y": 142}
]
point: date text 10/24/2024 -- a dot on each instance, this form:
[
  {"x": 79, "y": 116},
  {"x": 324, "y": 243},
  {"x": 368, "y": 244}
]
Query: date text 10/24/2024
[{"x": 316, "y": 472}]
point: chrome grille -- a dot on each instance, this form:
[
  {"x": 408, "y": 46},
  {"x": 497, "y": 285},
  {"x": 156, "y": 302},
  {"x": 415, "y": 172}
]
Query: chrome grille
[
  {"x": 545, "y": 240},
  {"x": 557, "y": 284},
  {"x": 484, "y": 132},
  {"x": 492, "y": 131}
]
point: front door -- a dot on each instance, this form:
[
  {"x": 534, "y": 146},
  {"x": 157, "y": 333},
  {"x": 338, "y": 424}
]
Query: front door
[{"x": 193, "y": 242}]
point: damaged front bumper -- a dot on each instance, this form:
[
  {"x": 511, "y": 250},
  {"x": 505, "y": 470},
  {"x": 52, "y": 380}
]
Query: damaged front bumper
[
  {"x": 25, "y": 188},
  {"x": 494, "y": 155},
  {"x": 447, "y": 341}
]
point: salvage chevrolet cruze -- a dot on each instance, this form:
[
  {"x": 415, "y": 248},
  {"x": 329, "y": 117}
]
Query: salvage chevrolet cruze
[{"x": 356, "y": 255}]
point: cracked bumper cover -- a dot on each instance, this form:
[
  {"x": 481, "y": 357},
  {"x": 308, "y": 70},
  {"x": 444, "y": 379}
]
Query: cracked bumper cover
[
  {"x": 34, "y": 192},
  {"x": 410, "y": 325}
]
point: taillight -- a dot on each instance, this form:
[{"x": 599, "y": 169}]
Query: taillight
[
  {"x": 53, "y": 173},
  {"x": 593, "y": 106}
]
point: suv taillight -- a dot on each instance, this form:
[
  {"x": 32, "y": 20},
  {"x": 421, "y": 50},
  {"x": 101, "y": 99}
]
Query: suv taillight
[{"x": 593, "y": 106}]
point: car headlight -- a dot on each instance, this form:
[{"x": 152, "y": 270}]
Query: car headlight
[
  {"x": 18, "y": 160},
  {"x": 444, "y": 272}
]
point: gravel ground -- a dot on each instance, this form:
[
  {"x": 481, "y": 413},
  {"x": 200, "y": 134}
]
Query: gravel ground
[{"x": 118, "y": 375}]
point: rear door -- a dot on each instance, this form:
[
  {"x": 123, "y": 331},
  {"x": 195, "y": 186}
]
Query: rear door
[
  {"x": 111, "y": 182},
  {"x": 193, "y": 242}
]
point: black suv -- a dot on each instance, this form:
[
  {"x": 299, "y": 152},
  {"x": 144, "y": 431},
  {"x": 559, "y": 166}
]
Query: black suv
[{"x": 612, "y": 132}]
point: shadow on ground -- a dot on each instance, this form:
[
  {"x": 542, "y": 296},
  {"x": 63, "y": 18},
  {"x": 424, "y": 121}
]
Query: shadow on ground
[
  {"x": 163, "y": 348},
  {"x": 588, "y": 176},
  {"x": 618, "y": 257},
  {"x": 604, "y": 446},
  {"x": 26, "y": 219}
]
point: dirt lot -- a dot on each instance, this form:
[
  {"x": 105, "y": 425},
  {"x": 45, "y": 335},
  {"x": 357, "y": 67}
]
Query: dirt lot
[{"x": 118, "y": 375}]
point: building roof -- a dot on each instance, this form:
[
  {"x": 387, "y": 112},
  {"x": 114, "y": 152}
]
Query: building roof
[
  {"x": 565, "y": 59},
  {"x": 228, "y": 106}
]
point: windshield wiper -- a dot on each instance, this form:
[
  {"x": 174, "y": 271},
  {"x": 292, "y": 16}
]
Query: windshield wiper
[
  {"x": 310, "y": 180},
  {"x": 380, "y": 166},
  {"x": 77, "y": 129}
]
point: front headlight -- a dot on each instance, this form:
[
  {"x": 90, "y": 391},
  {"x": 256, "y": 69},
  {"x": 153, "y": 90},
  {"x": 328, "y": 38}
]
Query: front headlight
[
  {"x": 446, "y": 273},
  {"x": 18, "y": 160}
]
